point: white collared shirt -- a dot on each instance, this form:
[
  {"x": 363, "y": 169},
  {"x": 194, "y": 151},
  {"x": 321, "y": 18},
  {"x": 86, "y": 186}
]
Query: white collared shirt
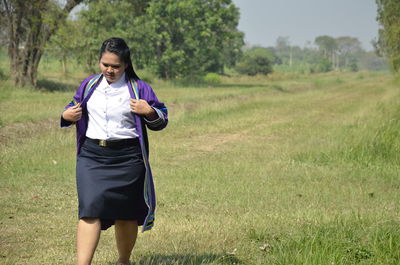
[{"x": 110, "y": 116}]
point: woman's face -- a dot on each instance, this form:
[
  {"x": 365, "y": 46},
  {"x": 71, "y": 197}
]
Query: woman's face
[{"x": 111, "y": 66}]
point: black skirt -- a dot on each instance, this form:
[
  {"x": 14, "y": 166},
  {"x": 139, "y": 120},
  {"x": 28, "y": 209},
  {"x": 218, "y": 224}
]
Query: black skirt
[{"x": 110, "y": 183}]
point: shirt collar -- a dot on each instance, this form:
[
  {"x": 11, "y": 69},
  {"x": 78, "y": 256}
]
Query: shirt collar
[{"x": 117, "y": 84}]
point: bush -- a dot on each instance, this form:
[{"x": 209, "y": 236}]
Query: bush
[
  {"x": 323, "y": 66},
  {"x": 212, "y": 78},
  {"x": 353, "y": 66},
  {"x": 256, "y": 61}
]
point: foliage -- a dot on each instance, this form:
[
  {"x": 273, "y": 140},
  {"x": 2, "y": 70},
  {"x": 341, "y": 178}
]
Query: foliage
[
  {"x": 192, "y": 37},
  {"x": 171, "y": 38},
  {"x": 389, "y": 34},
  {"x": 348, "y": 48},
  {"x": 323, "y": 66},
  {"x": 326, "y": 45},
  {"x": 212, "y": 79},
  {"x": 65, "y": 43},
  {"x": 339, "y": 51},
  {"x": 30, "y": 24},
  {"x": 103, "y": 19},
  {"x": 342, "y": 53},
  {"x": 282, "y": 50},
  {"x": 353, "y": 65},
  {"x": 256, "y": 60}
]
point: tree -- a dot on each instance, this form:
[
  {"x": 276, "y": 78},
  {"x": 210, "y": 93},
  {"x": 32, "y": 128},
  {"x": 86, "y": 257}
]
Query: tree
[
  {"x": 353, "y": 65},
  {"x": 389, "y": 35},
  {"x": 65, "y": 42},
  {"x": 257, "y": 60},
  {"x": 284, "y": 50},
  {"x": 347, "y": 48},
  {"x": 191, "y": 37},
  {"x": 326, "y": 44},
  {"x": 282, "y": 44},
  {"x": 103, "y": 19},
  {"x": 328, "y": 47},
  {"x": 30, "y": 24},
  {"x": 323, "y": 65},
  {"x": 171, "y": 38}
]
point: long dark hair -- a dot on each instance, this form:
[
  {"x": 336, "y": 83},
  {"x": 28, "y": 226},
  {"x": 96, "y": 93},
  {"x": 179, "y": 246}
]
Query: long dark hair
[{"x": 120, "y": 48}]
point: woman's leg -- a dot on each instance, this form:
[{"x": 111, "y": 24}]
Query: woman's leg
[
  {"x": 88, "y": 235},
  {"x": 125, "y": 235}
]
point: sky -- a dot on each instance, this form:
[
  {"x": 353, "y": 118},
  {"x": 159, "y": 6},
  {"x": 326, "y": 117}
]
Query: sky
[{"x": 263, "y": 21}]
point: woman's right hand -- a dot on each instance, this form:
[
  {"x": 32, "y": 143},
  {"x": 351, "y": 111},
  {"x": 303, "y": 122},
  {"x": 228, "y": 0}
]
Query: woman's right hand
[{"x": 73, "y": 113}]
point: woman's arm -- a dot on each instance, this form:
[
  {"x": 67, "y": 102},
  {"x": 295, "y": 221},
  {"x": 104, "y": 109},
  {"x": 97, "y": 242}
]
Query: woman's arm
[
  {"x": 73, "y": 111},
  {"x": 72, "y": 114},
  {"x": 157, "y": 118}
]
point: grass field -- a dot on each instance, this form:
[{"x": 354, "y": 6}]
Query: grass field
[{"x": 286, "y": 169}]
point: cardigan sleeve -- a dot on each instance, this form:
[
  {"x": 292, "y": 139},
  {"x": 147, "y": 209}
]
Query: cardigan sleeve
[
  {"x": 64, "y": 123},
  {"x": 75, "y": 100},
  {"x": 148, "y": 94}
]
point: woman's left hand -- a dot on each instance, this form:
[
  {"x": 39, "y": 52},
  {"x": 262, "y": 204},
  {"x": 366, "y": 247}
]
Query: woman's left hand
[{"x": 141, "y": 107}]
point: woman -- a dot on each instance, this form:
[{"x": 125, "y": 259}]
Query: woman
[{"x": 111, "y": 111}]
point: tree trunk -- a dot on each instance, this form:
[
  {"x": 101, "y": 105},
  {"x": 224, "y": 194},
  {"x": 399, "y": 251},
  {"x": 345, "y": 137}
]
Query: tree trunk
[{"x": 28, "y": 32}]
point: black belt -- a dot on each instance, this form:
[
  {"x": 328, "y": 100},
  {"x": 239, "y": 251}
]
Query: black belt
[{"x": 115, "y": 143}]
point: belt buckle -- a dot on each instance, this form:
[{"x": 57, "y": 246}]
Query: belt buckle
[{"x": 103, "y": 143}]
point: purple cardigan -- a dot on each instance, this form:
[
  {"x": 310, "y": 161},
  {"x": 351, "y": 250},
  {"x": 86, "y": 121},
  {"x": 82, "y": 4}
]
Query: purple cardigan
[{"x": 138, "y": 89}]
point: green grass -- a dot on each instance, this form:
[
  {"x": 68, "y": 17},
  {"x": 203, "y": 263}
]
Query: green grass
[{"x": 285, "y": 169}]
